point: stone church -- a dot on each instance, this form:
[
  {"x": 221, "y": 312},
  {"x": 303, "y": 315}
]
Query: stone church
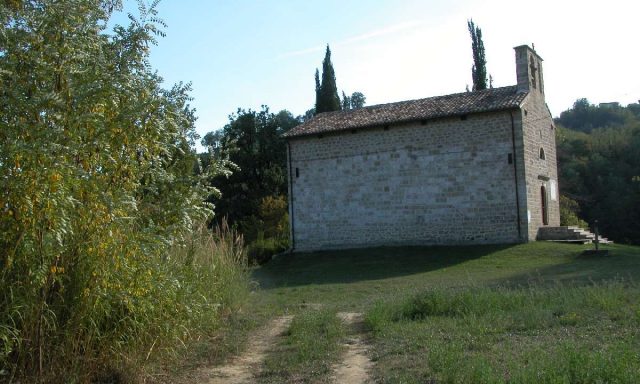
[{"x": 467, "y": 168}]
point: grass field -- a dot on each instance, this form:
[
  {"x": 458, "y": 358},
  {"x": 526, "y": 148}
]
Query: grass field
[{"x": 537, "y": 312}]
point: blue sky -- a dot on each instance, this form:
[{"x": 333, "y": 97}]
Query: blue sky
[{"x": 248, "y": 53}]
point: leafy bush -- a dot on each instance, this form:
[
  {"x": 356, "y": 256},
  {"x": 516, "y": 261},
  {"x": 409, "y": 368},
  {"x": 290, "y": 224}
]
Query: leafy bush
[
  {"x": 269, "y": 230},
  {"x": 262, "y": 250},
  {"x": 569, "y": 210},
  {"x": 96, "y": 190},
  {"x": 273, "y": 212}
]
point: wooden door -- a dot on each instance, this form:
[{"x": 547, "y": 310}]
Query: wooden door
[{"x": 543, "y": 200}]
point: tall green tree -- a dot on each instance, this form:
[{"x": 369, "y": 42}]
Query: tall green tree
[
  {"x": 317, "y": 78},
  {"x": 346, "y": 102},
  {"x": 327, "y": 99},
  {"x": 252, "y": 141},
  {"x": 357, "y": 100},
  {"x": 479, "y": 68}
]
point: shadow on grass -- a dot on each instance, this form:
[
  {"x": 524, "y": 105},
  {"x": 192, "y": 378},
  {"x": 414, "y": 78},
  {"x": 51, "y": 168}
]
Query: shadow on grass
[
  {"x": 623, "y": 263},
  {"x": 347, "y": 266}
]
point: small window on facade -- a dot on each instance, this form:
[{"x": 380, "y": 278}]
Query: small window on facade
[
  {"x": 297, "y": 172},
  {"x": 542, "y": 154}
]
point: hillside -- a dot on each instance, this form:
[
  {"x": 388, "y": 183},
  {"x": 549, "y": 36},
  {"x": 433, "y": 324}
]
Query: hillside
[{"x": 599, "y": 167}]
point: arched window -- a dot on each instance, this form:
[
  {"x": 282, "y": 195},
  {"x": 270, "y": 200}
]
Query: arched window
[{"x": 542, "y": 154}]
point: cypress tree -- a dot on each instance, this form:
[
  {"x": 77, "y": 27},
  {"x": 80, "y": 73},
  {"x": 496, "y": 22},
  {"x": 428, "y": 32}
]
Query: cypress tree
[
  {"x": 327, "y": 98},
  {"x": 479, "y": 69},
  {"x": 346, "y": 102},
  {"x": 317, "y": 85}
]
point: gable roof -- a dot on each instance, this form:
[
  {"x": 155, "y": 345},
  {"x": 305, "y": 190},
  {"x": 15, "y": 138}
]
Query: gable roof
[{"x": 488, "y": 100}]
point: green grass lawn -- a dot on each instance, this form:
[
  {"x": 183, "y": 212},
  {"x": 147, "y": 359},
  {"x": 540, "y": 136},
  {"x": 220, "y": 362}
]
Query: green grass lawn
[{"x": 537, "y": 312}]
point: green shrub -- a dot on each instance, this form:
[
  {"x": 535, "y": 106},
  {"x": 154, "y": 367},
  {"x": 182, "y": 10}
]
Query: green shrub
[
  {"x": 97, "y": 190},
  {"x": 569, "y": 211},
  {"x": 262, "y": 250},
  {"x": 269, "y": 230},
  {"x": 273, "y": 213}
]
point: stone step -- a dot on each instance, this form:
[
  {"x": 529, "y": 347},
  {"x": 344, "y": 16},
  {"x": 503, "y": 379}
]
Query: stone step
[
  {"x": 569, "y": 234},
  {"x": 575, "y": 241}
]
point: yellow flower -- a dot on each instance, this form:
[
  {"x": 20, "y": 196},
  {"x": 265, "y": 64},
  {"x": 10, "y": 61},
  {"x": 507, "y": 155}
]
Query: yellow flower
[{"x": 55, "y": 177}]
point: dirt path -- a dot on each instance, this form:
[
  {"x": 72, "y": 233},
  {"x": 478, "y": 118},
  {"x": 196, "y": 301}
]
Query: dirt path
[
  {"x": 241, "y": 369},
  {"x": 355, "y": 365}
]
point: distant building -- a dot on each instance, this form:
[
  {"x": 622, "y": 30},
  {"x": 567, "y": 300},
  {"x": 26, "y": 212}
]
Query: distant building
[
  {"x": 611, "y": 105},
  {"x": 468, "y": 168}
]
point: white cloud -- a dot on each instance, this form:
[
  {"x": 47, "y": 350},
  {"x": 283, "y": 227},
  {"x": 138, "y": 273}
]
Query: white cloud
[
  {"x": 379, "y": 32},
  {"x": 356, "y": 39}
]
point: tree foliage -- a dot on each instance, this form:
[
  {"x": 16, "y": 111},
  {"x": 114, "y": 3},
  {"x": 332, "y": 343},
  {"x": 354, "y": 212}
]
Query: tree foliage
[
  {"x": 96, "y": 185},
  {"x": 358, "y": 100},
  {"x": 479, "y": 69},
  {"x": 318, "y": 85},
  {"x": 586, "y": 117},
  {"x": 327, "y": 98},
  {"x": 570, "y": 213},
  {"x": 600, "y": 167},
  {"x": 355, "y": 101},
  {"x": 252, "y": 141}
]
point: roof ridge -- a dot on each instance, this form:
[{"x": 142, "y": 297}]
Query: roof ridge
[{"x": 414, "y": 100}]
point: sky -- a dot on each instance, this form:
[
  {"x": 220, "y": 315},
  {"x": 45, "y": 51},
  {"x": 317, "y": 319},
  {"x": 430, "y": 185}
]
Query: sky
[{"x": 245, "y": 54}]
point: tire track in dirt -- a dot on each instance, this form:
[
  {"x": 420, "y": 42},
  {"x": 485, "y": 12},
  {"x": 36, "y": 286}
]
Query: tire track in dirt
[
  {"x": 242, "y": 369},
  {"x": 355, "y": 365}
]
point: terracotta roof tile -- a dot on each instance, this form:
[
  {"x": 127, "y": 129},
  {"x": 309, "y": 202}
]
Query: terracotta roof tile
[{"x": 495, "y": 99}]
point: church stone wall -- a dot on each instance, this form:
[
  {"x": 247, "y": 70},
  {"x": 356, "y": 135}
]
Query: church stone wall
[{"x": 445, "y": 182}]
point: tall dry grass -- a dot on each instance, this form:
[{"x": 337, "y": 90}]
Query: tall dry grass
[{"x": 119, "y": 338}]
